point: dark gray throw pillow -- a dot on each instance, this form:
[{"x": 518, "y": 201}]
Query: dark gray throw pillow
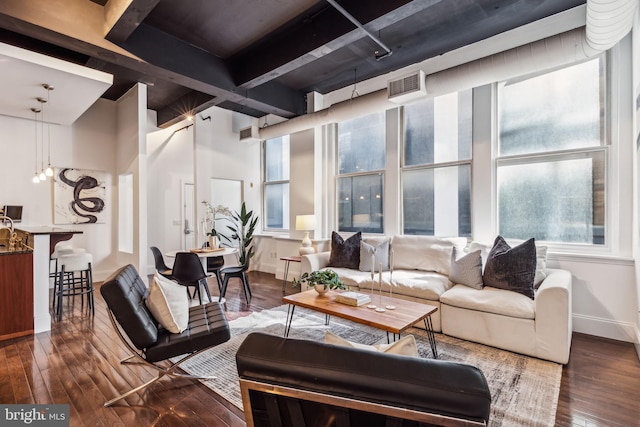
[
  {"x": 511, "y": 268},
  {"x": 345, "y": 253}
]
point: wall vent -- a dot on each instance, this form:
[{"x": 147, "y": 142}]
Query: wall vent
[
  {"x": 407, "y": 88},
  {"x": 249, "y": 134}
]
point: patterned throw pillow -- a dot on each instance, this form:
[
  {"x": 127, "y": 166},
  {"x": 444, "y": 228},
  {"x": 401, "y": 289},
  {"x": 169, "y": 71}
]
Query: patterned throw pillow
[
  {"x": 466, "y": 270},
  {"x": 345, "y": 253},
  {"x": 513, "y": 269}
]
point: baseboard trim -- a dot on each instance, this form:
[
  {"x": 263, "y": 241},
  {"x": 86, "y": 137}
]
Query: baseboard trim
[{"x": 606, "y": 328}]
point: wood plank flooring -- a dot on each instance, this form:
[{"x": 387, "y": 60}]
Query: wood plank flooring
[{"x": 77, "y": 362}]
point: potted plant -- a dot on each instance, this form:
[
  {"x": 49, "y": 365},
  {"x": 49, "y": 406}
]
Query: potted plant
[
  {"x": 244, "y": 225},
  {"x": 209, "y": 222},
  {"x": 320, "y": 280}
]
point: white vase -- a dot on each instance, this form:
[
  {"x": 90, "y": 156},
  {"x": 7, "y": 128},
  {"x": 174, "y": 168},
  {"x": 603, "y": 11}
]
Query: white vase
[
  {"x": 214, "y": 242},
  {"x": 321, "y": 289}
]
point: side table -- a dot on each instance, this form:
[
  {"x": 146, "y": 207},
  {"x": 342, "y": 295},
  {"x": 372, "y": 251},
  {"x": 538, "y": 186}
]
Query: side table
[{"x": 287, "y": 260}]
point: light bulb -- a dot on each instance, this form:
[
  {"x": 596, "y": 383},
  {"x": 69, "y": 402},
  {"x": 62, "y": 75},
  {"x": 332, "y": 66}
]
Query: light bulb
[
  {"x": 49, "y": 171},
  {"x": 42, "y": 176},
  {"x": 35, "y": 179}
]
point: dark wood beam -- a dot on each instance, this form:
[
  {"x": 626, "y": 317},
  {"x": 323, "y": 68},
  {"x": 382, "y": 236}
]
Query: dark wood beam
[
  {"x": 122, "y": 17},
  {"x": 309, "y": 39}
]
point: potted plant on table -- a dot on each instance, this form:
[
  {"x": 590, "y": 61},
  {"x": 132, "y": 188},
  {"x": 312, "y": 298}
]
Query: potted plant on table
[
  {"x": 209, "y": 222},
  {"x": 320, "y": 280}
]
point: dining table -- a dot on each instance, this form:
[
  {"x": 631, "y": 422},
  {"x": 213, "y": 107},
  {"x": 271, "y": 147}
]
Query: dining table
[{"x": 204, "y": 253}]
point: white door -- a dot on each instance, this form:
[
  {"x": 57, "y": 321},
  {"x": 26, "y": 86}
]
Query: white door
[{"x": 189, "y": 217}]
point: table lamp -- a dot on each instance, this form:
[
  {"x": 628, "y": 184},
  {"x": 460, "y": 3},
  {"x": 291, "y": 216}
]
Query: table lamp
[{"x": 306, "y": 223}]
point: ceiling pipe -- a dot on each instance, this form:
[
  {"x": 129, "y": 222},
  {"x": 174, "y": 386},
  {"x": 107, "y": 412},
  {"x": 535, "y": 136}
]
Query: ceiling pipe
[
  {"x": 608, "y": 21},
  {"x": 388, "y": 52}
]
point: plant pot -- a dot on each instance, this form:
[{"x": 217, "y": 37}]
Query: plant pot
[
  {"x": 214, "y": 242},
  {"x": 321, "y": 289}
]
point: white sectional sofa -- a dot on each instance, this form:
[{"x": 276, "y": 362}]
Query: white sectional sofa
[{"x": 539, "y": 327}]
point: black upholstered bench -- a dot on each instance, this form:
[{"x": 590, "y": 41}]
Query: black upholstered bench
[
  {"x": 291, "y": 382},
  {"x": 125, "y": 293}
]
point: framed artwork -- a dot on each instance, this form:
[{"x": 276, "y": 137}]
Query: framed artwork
[{"x": 79, "y": 196}]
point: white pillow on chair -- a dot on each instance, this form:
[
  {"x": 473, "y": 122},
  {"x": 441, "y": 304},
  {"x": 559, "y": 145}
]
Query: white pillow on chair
[{"x": 168, "y": 302}]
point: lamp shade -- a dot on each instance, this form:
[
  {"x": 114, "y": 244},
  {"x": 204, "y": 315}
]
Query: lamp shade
[{"x": 305, "y": 222}]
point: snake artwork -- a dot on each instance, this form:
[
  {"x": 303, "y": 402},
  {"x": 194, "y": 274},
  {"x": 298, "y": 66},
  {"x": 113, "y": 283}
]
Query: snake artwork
[{"x": 83, "y": 206}]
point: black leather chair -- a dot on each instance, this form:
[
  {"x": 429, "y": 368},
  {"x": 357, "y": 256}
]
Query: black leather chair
[
  {"x": 239, "y": 272},
  {"x": 161, "y": 267},
  {"x": 125, "y": 294},
  {"x": 297, "y": 383},
  {"x": 188, "y": 271}
]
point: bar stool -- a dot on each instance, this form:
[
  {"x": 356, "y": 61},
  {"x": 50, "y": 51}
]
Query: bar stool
[
  {"x": 60, "y": 250},
  {"x": 75, "y": 277}
]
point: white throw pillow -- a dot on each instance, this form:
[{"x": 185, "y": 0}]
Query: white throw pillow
[
  {"x": 168, "y": 302},
  {"x": 427, "y": 253},
  {"x": 380, "y": 253},
  {"x": 405, "y": 346}
]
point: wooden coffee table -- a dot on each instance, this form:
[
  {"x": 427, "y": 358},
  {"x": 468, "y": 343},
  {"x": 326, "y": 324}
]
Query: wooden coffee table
[{"x": 395, "y": 321}]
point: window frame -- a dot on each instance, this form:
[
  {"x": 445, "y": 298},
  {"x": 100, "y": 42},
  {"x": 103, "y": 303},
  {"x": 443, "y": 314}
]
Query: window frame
[
  {"x": 405, "y": 168},
  {"x": 266, "y": 184},
  {"x": 606, "y": 146}
]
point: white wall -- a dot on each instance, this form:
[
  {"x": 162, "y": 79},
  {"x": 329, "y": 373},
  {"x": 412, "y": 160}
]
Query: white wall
[{"x": 87, "y": 144}]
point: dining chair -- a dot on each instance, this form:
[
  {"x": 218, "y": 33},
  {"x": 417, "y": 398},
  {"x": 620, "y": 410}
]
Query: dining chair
[
  {"x": 188, "y": 271},
  {"x": 161, "y": 267},
  {"x": 239, "y": 272}
]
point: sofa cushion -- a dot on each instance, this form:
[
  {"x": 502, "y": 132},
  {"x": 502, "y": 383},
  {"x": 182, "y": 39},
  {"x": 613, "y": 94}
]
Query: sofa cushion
[
  {"x": 379, "y": 252},
  {"x": 427, "y": 253},
  {"x": 412, "y": 283},
  {"x": 345, "y": 253},
  {"x": 466, "y": 270},
  {"x": 490, "y": 300},
  {"x": 405, "y": 346},
  {"x": 511, "y": 268}
]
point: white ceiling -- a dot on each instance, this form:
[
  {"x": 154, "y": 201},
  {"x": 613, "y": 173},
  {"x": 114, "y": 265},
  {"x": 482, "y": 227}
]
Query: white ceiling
[{"x": 23, "y": 73}]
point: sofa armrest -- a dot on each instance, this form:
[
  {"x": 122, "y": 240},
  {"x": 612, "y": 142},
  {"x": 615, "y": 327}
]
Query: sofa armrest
[
  {"x": 313, "y": 262},
  {"x": 553, "y": 310}
]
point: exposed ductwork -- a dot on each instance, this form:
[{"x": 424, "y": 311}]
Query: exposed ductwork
[{"x": 607, "y": 22}]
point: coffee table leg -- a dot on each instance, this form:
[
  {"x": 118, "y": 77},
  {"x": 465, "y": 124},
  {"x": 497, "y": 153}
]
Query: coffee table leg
[
  {"x": 327, "y": 318},
  {"x": 287, "y": 325},
  {"x": 432, "y": 338}
]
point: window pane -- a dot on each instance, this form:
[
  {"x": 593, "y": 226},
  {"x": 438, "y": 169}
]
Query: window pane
[
  {"x": 361, "y": 144},
  {"x": 438, "y": 130},
  {"x": 555, "y": 111},
  {"x": 360, "y": 203},
  {"x": 556, "y": 200},
  {"x": 437, "y": 201},
  {"x": 277, "y": 159},
  {"x": 277, "y": 205}
]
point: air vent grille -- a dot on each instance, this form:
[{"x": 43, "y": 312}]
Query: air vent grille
[{"x": 407, "y": 88}]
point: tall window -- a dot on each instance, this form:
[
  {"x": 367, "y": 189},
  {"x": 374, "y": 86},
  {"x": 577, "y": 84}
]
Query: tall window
[
  {"x": 276, "y": 183},
  {"x": 551, "y": 162},
  {"x": 436, "y": 171},
  {"x": 361, "y": 164}
]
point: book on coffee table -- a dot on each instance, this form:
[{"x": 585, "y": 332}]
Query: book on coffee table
[{"x": 353, "y": 298}]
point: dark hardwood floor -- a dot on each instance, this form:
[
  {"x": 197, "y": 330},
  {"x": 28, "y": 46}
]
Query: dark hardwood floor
[{"x": 77, "y": 362}]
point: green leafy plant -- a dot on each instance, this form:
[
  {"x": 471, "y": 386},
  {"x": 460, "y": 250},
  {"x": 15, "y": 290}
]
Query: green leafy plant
[
  {"x": 327, "y": 278},
  {"x": 244, "y": 225}
]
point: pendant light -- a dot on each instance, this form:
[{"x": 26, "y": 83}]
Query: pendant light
[
  {"x": 49, "y": 170},
  {"x": 36, "y": 179},
  {"x": 42, "y": 175}
]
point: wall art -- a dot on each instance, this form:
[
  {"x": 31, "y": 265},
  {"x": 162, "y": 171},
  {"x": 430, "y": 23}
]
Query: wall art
[{"x": 79, "y": 196}]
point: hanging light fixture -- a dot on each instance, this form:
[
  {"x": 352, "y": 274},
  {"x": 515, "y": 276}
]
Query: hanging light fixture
[
  {"x": 42, "y": 175},
  {"x": 49, "y": 170},
  {"x": 36, "y": 179}
]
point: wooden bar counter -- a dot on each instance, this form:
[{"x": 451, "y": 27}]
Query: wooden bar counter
[{"x": 24, "y": 279}]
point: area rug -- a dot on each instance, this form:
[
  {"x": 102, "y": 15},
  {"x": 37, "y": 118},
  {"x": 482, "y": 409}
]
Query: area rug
[{"x": 524, "y": 390}]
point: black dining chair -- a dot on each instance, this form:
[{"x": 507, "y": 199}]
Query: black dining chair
[
  {"x": 161, "y": 267},
  {"x": 188, "y": 271},
  {"x": 239, "y": 272},
  {"x": 214, "y": 264}
]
